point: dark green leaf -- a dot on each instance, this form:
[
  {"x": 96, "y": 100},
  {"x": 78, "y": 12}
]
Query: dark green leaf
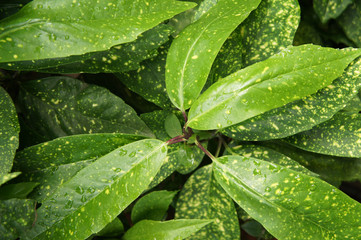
[
  {"x": 255, "y": 229},
  {"x": 112, "y": 229},
  {"x": 119, "y": 58},
  {"x": 90, "y": 200},
  {"x": 203, "y": 198},
  {"x": 172, "y": 126},
  {"x": 169, "y": 230},
  {"x": 53, "y": 163},
  {"x": 152, "y": 206},
  {"x": 307, "y": 33},
  {"x": 310, "y": 207},
  {"x": 7, "y": 177},
  {"x": 198, "y": 45},
  {"x": 353, "y": 106},
  {"x": 327, "y": 9},
  {"x": 302, "y": 114},
  {"x": 44, "y": 29},
  {"x": 9, "y": 7},
  {"x": 61, "y": 106},
  {"x": 340, "y": 136},
  {"x": 285, "y": 77},
  {"x": 17, "y": 190},
  {"x": 16, "y": 217},
  {"x": 9, "y": 133},
  {"x": 350, "y": 21}
]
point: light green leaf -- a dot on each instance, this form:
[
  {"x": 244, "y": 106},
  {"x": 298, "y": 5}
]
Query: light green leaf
[
  {"x": 124, "y": 57},
  {"x": 17, "y": 190},
  {"x": 198, "y": 45},
  {"x": 203, "y": 198},
  {"x": 16, "y": 217},
  {"x": 153, "y": 206},
  {"x": 98, "y": 193},
  {"x": 303, "y": 114},
  {"x": 112, "y": 229},
  {"x": 285, "y": 77},
  {"x": 327, "y": 9},
  {"x": 350, "y": 21},
  {"x": 61, "y": 106},
  {"x": 269, "y": 29},
  {"x": 44, "y": 29},
  {"x": 172, "y": 126},
  {"x": 53, "y": 163},
  {"x": 340, "y": 136},
  {"x": 270, "y": 155},
  {"x": 169, "y": 230},
  {"x": 282, "y": 199},
  {"x": 9, "y": 133}
]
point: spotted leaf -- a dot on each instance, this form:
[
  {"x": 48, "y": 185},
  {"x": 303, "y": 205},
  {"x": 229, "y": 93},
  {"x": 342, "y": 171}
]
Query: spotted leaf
[
  {"x": 328, "y": 9},
  {"x": 203, "y": 198},
  {"x": 9, "y": 132},
  {"x": 53, "y": 163},
  {"x": 285, "y": 77},
  {"x": 173, "y": 229},
  {"x": 152, "y": 206},
  {"x": 75, "y": 210},
  {"x": 16, "y": 217},
  {"x": 303, "y": 114},
  {"x": 198, "y": 45},
  {"x": 7, "y": 177},
  {"x": 339, "y": 136},
  {"x": 312, "y": 208},
  {"x": 43, "y": 29},
  {"x": 350, "y": 21},
  {"x": 61, "y": 106},
  {"x": 124, "y": 57}
]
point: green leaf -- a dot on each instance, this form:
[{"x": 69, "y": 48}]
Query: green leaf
[
  {"x": 198, "y": 45},
  {"x": 149, "y": 80},
  {"x": 327, "y": 9},
  {"x": 18, "y": 190},
  {"x": 59, "y": 29},
  {"x": 285, "y": 77},
  {"x": 108, "y": 185},
  {"x": 350, "y": 21},
  {"x": 340, "y": 136},
  {"x": 269, "y": 29},
  {"x": 16, "y": 217},
  {"x": 9, "y": 132},
  {"x": 172, "y": 126},
  {"x": 61, "y": 106},
  {"x": 310, "y": 207},
  {"x": 181, "y": 157},
  {"x": 152, "y": 206},
  {"x": 307, "y": 33},
  {"x": 53, "y": 163},
  {"x": 203, "y": 198},
  {"x": 332, "y": 169},
  {"x": 169, "y": 230},
  {"x": 303, "y": 114},
  {"x": 7, "y": 177},
  {"x": 124, "y": 57},
  {"x": 112, "y": 229},
  {"x": 270, "y": 155},
  {"x": 255, "y": 229}
]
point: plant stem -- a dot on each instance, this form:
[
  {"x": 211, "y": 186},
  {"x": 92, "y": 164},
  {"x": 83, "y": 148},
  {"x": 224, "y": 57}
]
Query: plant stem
[
  {"x": 203, "y": 149},
  {"x": 220, "y": 141},
  {"x": 229, "y": 150},
  {"x": 177, "y": 139}
]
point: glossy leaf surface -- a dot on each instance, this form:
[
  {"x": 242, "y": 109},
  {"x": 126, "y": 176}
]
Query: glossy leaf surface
[
  {"x": 203, "y": 198},
  {"x": 303, "y": 114},
  {"x": 89, "y": 109},
  {"x": 152, "y": 206},
  {"x": 9, "y": 132},
  {"x": 113, "y": 229},
  {"x": 172, "y": 126},
  {"x": 339, "y": 136},
  {"x": 327, "y": 9},
  {"x": 310, "y": 207},
  {"x": 198, "y": 45},
  {"x": 53, "y": 163},
  {"x": 99, "y": 192},
  {"x": 285, "y": 77},
  {"x": 169, "y": 230},
  {"x": 44, "y": 29}
]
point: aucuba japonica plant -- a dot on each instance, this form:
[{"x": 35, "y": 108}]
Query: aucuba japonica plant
[{"x": 165, "y": 119}]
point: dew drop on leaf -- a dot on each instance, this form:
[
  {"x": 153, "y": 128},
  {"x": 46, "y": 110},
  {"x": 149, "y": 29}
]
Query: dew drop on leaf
[
  {"x": 79, "y": 190},
  {"x": 69, "y": 204},
  {"x": 122, "y": 152},
  {"x": 91, "y": 190},
  {"x": 83, "y": 199},
  {"x": 132, "y": 154}
]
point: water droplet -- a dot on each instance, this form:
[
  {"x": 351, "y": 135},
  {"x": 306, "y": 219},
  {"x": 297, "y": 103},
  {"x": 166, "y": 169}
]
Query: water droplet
[
  {"x": 257, "y": 163},
  {"x": 79, "y": 190},
  {"x": 39, "y": 6},
  {"x": 117, "y": 170},
  {"x": 268, "y": 189},
  {"x": 69, "y": 204},
  {"x": 52, "y": 200},
  {"x": 229, "y": 122},
  {"x": 52, "y": 37},
  {"x": 122, "y": 152},
  {"x": 91, "y": 190},
  {"x": 132, "y": 154},
  {"x": 83, "y": 199},
  {"x": 256, "y": 172},
  {"x": 66, "y": 37}
]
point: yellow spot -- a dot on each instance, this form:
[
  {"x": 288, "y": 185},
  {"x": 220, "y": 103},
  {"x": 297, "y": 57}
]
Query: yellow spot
[
  {"x": 195, "y": 57},
  {"x": 107, "y": 191},
  {"x": 82, "y": 209},
  {"x": 327, "y": 197},
  {"x": 15, "y": 56},
  {"x": 9, "y": 39}
]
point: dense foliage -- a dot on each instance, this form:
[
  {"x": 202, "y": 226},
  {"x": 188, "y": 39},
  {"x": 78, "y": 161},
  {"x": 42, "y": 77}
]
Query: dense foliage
[{"x": 166, "y": 119}]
